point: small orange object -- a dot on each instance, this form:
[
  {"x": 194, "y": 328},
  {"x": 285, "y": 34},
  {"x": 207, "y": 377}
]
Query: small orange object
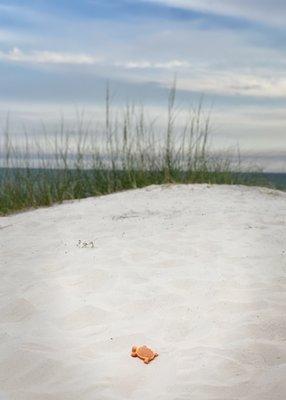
[{"x": 144, "y": 353}]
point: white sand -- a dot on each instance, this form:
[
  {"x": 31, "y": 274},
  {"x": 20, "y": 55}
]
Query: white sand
[{"x": 198, "y": 273}]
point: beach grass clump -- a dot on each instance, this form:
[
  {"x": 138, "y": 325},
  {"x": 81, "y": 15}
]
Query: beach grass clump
[{"x": 123, "y": 154}]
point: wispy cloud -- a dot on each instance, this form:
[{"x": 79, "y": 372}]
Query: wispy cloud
[
  {"x": 269, "y": 12},
  {"x": 48, "y": 57},
  {"x": 194, "y": 76},
  {"x": 232, "y": 51},
  {"x": 235, "y": 83},
  {"x": 169, "y": 65}
]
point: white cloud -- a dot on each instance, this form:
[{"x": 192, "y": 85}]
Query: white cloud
[
  {"x": 235, "y": 83},
  {"x": 172, "y": 64},
  {"x": 237, "y": 62},
  {"x": 48, "y": 57},
  {"x": 195, "y": 75}
]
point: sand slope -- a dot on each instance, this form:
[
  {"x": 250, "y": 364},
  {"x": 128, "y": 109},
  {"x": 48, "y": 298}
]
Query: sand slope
[{"x": 196, "y": 272}]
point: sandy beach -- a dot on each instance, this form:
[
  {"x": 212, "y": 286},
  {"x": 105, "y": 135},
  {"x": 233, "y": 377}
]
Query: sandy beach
[{"x": 196, "y": 272}]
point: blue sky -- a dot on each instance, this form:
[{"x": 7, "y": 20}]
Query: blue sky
[{"x": 57, "y": 53}]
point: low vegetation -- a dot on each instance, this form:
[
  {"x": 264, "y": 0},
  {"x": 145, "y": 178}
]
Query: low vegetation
[{"x": 125, "y": 154}]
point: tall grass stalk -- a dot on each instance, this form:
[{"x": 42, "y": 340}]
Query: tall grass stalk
[{"x": 126, "y": 153}]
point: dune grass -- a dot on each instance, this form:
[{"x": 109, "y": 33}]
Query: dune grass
[{"x": 125, "y": 153}]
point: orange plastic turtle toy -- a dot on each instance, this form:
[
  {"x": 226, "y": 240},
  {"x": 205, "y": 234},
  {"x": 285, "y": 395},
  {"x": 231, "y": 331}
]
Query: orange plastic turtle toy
[{"x": 144, "y": 353}]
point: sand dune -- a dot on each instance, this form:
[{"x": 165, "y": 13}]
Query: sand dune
[{"x": 196, "y": 272}]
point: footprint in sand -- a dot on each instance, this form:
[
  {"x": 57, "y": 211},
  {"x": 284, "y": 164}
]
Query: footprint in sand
[
  {"x": 84, "y": 317},
  {"x": 16, "y": 311},
  {"x": 97, "y": 280}
]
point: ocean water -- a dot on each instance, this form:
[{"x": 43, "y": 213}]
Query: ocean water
[{"x": 277, "y": 180}]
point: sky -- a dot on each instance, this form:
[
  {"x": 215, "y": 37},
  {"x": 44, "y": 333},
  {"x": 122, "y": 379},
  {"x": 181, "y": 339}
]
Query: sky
[{"x": 56, "y": 55}]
